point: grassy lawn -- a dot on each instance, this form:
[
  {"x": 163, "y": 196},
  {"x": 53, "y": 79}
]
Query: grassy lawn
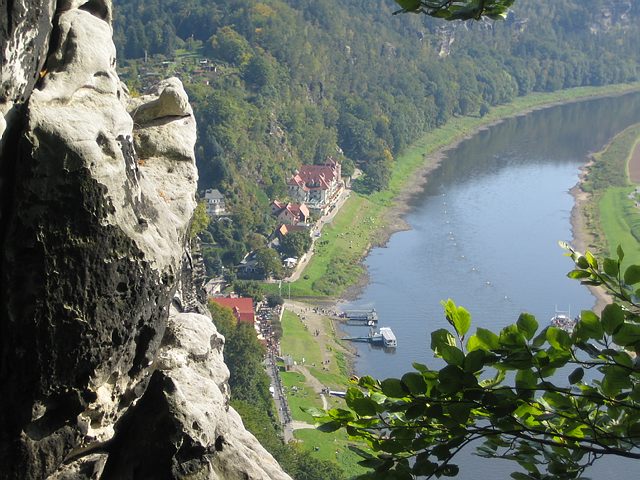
[
  {"x": 611, "y": 214},
  {"x": 333, "y": 447},
  {"x": 619, "y": 218},
  {"x": 299, "y": 394},
  {"x": 297, "y": 341},
  {"x": 336, "y": 261}
]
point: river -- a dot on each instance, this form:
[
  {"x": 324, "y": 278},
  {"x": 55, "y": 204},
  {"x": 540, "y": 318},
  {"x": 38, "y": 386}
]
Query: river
[{"x": 484, "y": 232}]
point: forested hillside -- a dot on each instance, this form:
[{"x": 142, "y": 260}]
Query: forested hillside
[{"x": 283, "y": 82}]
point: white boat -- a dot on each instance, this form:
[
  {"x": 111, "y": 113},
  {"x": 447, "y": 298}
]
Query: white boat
[
  {"x": 564, "y": 321},
  {"x": 388, "y": 337}
]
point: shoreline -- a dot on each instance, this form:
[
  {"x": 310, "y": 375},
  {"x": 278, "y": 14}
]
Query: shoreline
[
  {"x": 582, "y": 236},
  {"x": 394, "y": 216}
]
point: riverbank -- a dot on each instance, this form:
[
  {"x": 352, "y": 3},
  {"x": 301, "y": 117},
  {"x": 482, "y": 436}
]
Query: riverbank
[
  {"x": 336, "y": 271},
  {"x": 320, "y": 363},
  {"x": 606, "y": 212}
]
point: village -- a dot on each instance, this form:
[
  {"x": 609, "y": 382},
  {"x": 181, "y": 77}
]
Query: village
[{"x": 316, "y": 193}]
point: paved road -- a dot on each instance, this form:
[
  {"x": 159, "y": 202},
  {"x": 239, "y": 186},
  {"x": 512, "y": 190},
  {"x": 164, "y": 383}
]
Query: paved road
[{"x": 282, "y": 407}]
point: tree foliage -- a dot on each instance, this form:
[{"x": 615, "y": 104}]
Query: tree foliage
[
  {"x": 458, "y": 10},
  {"x": 552, "y": 400},
  {"x": 295, "y": 244},
  {"x": 297, "y": 80},
  {"x": 199, "y": 221}
]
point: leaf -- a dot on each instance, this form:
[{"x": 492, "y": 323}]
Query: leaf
[
  {"x": 632, "y": 275},
  {"x": 364, "y": 407},
  {"x": 371, "y": 462},
  {"x": 589, "y": 326},
  {"x": 582, "y": 262},
  {"x": 352, "y": 394},
  {"x": 511, "y": 337},
  {"x": 392, "y": 387},
  {"x": 460, "y": 412},
  {"x": 440, "y": 338},
  {"x": 423, "y": 467},
  {"x": 615, "y": 379},
  {"x": 576, "y": 375},
  {"x": 612, "y": 318},
  {"x": 415, "y": 383},
  {"x": 620, "y": 253},
  {"x": 579, "y": 274},
  {"x": 330, "y": 426},
  {"x": 449, "y": 470},
  {"x": 527, "y": 325},
  {"x": 593, "y": 263},
  {"x": 474, "y": 361},
  {"x": 458, "y": 317},
  {"x": 450, "y": 378},
  {"x": 368, "y": 382},
  {"x": 340, "y": 414},
  {"x": 483, "y": 339},
  {"x": 314, "y": 412},
  {"x": 463, "y": 321},
  {"x": 558, "y": 338},
  {"x": 526, "y": 379},
  {"x": 611, "y": 267},
  {"x": 452, "y": 355},
  {"x": 415, "y": 411},
  {"x": 627, "y": 334}
]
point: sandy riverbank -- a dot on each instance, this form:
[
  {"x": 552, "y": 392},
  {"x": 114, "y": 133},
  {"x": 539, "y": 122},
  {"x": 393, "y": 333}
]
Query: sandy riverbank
[{"x": 582, "y": 236}]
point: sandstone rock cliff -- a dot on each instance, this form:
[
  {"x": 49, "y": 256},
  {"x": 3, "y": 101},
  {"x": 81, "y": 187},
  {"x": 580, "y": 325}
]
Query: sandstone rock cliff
[{"x": 108, "y": 365}]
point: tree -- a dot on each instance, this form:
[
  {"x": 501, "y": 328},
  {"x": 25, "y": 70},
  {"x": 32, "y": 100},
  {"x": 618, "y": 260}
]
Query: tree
[
  {"x": 522, "y": 391},
  {"x": 247, "y": 288},
  {"x": 457, "y": 9},
  {"x": 200, "y": 220},
  {"x": 295, "y": 244},
  {"x": 268, "y": 261}
]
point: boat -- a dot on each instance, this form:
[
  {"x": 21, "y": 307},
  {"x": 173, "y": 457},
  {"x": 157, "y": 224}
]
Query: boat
[
  {"x": 564, "y": 321},
  {"x": 384, "y": 337},
  {"x": 388, "y": 337}
]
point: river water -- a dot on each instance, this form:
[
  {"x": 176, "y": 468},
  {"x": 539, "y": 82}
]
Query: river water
[{"x": 485, "y": 233}]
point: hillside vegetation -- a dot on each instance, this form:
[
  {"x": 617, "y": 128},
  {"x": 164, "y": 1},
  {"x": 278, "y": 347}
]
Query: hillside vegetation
[{"x": 283, "y": 82}]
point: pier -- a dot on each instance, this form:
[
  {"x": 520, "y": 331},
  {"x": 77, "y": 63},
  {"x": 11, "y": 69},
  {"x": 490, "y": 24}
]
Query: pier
[{"x": 369, "y": 317}]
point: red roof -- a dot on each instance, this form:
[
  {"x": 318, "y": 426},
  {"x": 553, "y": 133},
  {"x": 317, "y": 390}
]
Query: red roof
[
  {"x": 315, "y": 176},
  {"x": 242, "y": 307}
]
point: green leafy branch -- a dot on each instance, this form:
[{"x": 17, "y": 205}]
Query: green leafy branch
[
  {"x": 523, "y": 392},
  {"x": 457, "y": 9}
]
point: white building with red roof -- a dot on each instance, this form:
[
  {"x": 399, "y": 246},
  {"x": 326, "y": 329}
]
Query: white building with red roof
[
  {"x": 316, "y": 185},
  {"x": 291, "y": 213}
]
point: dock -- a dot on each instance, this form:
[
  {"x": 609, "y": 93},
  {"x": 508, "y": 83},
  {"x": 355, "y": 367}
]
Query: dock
[{"x": 369, "y": 317}]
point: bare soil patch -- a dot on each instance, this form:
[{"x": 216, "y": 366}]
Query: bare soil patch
[{"x": 634, "y": 165}]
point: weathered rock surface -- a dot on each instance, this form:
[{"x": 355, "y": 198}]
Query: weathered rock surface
[{"x": 98, "y": 379}]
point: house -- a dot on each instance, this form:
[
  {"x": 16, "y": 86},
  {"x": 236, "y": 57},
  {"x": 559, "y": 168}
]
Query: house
[
  {"x": 248, "y": 267},
  {"x": 316, "y": 185},
  {"x": 215, "y": 202},
  {"x": 242, "y": 307},
  {"x": 283, "y": 230},
  {"x": 291, "y": 213}
]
